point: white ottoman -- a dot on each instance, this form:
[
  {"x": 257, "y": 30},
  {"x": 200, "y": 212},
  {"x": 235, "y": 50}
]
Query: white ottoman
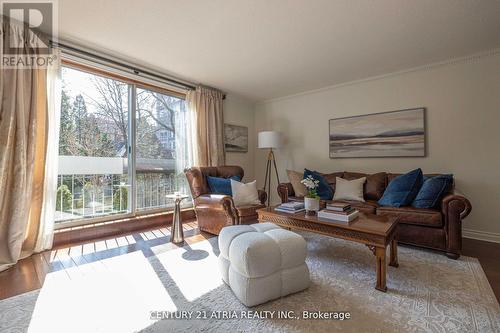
[{"x": 262, "y": 262}]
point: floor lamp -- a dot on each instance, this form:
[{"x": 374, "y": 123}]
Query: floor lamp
[{"x": 270, "y": 140}]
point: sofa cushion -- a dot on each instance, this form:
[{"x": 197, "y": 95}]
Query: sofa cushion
[
  {"x": 220, "y": 185},
  {"x": 331, "y": 178},
  {"x": 295, "y": 179},
  {"x": 324, "y": 190},
  {"x": 391, "y": 176},
  {"x": 432, "y": 191},
  {"x": 403, "y": 189},
  {"x": 244, "y": 194},
  {"x": 375, "y": 184},
  {"x": 411, "y": 215},
  {"x": 350, "y": 189},
  {"x": 197, "y": 177}
]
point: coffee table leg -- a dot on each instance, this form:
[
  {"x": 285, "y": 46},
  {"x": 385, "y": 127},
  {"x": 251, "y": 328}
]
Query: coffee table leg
[
  {"x": 394, "y": 253},
  {"x": 381, "y": 269}
]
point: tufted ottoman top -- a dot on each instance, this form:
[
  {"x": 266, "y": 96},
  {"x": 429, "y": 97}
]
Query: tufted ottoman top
[{"x": 261, "y": 249}]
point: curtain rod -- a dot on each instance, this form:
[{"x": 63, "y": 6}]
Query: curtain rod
[{"x": 134, "y": 69}]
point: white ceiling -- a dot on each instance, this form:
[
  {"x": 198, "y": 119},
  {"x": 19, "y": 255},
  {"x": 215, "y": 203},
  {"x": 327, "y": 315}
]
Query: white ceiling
[{"x": 263, "y": 49}]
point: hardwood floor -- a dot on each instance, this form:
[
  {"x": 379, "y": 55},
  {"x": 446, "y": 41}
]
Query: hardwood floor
[
  {"x": 30, "y": 273},
  {"x": 488, "y": 255}
]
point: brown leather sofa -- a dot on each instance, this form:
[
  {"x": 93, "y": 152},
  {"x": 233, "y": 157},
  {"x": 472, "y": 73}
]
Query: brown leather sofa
[
  {"x": 439, "y": 229},
  {"x": 215, "y": 211}
]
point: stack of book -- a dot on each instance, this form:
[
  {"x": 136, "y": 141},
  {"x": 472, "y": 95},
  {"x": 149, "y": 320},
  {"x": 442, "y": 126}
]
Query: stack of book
[
  {"x": 339, "y": 206},
  {"x": 291, "y": 207},
  {"x": 339, "y": 212}
]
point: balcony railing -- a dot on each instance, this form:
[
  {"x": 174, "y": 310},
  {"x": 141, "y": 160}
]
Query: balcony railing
[{"x": 91, "y": 196}]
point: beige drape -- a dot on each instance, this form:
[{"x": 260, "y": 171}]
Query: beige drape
[
  {"x": 23, "y": 143},
  {"x": 206, "y": 104}
]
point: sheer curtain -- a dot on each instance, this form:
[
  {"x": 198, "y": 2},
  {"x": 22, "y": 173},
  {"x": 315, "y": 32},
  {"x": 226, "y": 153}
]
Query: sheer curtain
[
  {"x": 185, "y": 148},
  {"x": 47, "y": 215},
  {"x": 26, "y": 126},
  {"x": 205, "y": 105}
]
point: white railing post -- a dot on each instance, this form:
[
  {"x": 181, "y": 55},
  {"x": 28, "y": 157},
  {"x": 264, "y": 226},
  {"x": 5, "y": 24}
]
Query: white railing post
[
  {"x": 120, "y": 205},
  {"x": 103, "y": 204},
  {"x": 61, "y": 197},
  {"x": 83, "y": 195},
  {"x": 92, "y": 193},
  {"x": 157, "y": 192},
  {"x": 72, "y": 193}
]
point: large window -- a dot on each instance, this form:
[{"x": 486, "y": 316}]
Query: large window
[
  {"x": 112, "y": 161},
  {"x": 160, "y": 125}
]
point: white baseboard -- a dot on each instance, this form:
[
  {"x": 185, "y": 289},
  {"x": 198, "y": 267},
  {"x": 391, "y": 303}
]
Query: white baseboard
[{"x": 481, "y": 235}]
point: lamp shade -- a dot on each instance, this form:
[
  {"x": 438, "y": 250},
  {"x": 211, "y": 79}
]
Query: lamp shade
[{"x": 269, "y": 139}]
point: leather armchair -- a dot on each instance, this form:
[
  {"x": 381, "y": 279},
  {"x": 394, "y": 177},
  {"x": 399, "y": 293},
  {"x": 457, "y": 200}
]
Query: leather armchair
[{"x": 215, "y": 211}]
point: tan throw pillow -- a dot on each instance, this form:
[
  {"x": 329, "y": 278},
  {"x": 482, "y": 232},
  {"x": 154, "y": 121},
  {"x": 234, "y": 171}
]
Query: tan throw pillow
[
  {"x": 349, "y": 189},
  {"x": 295, "y": 177},
  {"x": 244, "y": 194}
]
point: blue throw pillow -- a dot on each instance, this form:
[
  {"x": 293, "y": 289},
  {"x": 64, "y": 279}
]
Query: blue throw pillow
[
  {"x": 221, "y": 185},
  {"x": 403, "y": 189},
  {"x": 432, "y": 191},
  {"x": 325, "y": 192}
]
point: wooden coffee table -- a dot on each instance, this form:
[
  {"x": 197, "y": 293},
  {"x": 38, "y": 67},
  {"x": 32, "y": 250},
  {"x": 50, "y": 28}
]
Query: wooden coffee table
[{"x": 374, "y": 231}]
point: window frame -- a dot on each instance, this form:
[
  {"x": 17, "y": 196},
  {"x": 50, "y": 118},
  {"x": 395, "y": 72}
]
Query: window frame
[{"x": 133, "y": 86}]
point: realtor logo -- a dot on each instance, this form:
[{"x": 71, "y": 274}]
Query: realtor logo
[{"x": 29, "y": 48}]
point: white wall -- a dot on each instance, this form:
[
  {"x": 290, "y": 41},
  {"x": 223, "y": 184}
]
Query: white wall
[
  {"x": 463, "y": 128},
  {"x": 239, "y": 111}
]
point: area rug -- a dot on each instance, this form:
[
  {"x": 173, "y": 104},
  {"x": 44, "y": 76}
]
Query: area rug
[{"x": 159, "y": 291}]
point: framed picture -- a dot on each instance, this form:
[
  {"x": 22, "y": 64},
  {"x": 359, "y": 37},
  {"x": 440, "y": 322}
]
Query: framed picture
[
  {"x": 388, "y": 134},
  {"x": 235, "y": 138}
]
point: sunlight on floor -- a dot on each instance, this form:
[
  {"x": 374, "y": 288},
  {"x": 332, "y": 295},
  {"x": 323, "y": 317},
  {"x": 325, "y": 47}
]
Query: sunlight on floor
[
  {"x": 194, "y": 269},
  {"x": 111, "y": 295}
]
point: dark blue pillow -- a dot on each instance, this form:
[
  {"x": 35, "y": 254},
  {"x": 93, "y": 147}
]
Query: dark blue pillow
[
  {"x": 324, "y": 190},
  {"x": 221, "y": 185},
  {"x": 432, "y": 191},
  {"x": 403, "y": 189}
]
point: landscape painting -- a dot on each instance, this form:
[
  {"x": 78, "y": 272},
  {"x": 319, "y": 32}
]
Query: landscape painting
[
  {"x": 235, "y": 138},
  {"x": 388, "y": 134}
]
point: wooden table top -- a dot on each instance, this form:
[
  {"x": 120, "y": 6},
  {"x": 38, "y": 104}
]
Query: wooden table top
[{"x": 366, "y": 223}]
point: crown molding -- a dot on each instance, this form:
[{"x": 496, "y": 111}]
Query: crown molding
[{"x": 453, "y": 61}]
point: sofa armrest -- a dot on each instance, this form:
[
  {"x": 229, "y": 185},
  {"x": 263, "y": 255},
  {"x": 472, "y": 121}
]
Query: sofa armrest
[
  {"x": 285, "y": 190},
  {"x": 214, "y": 212},
  {"x": 214, "y": 201},
  {"x": 456, "y": 205},
  {"x": 262, "y": 196},
  {"x": 454, "y": 208}
]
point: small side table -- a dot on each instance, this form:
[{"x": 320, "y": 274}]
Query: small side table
[{"x": 177, "y": 233}]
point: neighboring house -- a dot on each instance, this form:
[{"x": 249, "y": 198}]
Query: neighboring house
[{"x": 165, "y": 136}]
